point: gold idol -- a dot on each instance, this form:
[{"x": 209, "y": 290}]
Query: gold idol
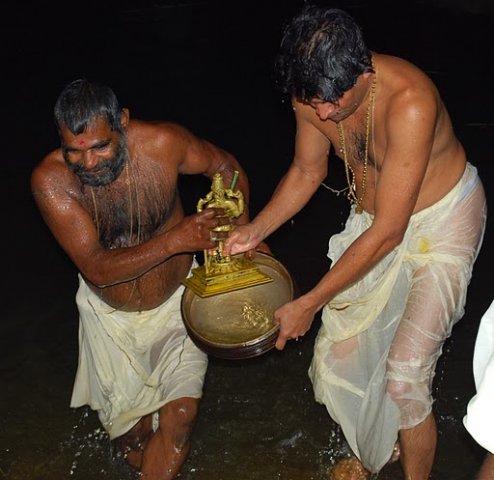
[{"x": 223, "y": 273}]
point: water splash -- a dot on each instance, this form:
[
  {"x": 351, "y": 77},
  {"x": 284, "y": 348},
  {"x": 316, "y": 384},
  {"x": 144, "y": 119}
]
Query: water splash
[{"x": 92, "y": 452}]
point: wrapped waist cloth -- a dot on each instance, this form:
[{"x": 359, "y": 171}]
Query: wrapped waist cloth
[
  {"x": 380, "y": 339},
  {"x": 132, "y": 363}
]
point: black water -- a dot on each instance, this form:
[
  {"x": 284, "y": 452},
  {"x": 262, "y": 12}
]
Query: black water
[{"x": 207, "y": 65}]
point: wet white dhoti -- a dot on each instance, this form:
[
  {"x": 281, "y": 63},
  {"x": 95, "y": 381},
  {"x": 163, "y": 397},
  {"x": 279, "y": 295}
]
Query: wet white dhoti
[
  {"x": 379, "y": 341},
  {"x": 132, "y": 363},
  {"x": 479, "y": 420}
]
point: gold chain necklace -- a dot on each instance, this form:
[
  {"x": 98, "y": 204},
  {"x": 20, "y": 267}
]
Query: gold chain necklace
[{"x": 352, "y": 196}]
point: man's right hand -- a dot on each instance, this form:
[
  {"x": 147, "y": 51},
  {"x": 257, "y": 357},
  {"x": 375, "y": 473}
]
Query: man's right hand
[
  {"x": 195, "y": 232},
  {"x": 242, "y": 239}
]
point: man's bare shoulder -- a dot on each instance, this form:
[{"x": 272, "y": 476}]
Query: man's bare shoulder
[
  {"x": 159, "y": 139},
  {"x": 157, "y": 131},
  {"x": 398, "y": 75},
  {"x": 51, "y": 174},
  {"x": 404, "y": 89}
]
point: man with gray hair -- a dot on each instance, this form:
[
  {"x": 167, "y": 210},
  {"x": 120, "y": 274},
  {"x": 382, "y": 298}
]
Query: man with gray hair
[{"x": 109, "y": 196}]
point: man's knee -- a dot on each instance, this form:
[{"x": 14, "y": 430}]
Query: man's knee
[
  {"x": 413, "y": 401},
  {"x": 178, "y": 417},
  {"x": 409, "y": 380},
  {"x": 398, "y": 391}
]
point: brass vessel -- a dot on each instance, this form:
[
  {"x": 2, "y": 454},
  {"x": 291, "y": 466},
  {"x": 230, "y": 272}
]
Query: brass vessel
[
  {"x": 239, "y": 324},
  {"x": 229, "y": 303}
]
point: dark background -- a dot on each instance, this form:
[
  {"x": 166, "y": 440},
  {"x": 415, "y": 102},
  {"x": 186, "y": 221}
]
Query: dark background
[{"x": 208, "y": 66}]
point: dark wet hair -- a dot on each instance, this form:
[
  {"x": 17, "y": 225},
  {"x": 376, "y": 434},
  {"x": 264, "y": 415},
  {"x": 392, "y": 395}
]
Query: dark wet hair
[
  {"x": 322, "y": 54},
  {"x": 81, "y": 102}
]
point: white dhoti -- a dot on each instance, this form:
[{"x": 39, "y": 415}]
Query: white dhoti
[
  {"x": 379, "y": 341},
  {"x": 479, "y": 420},
  {"x": 132, "y": 363}
]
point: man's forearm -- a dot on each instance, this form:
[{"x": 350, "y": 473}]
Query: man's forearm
[
  {"x": 357, "y": 260},
  {"x": 292, "y": 193}
]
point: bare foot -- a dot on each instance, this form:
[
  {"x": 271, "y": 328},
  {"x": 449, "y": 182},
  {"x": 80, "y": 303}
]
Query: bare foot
[
  {"x": 348, "y": 469},
  {"x": 132, "y": 443},
  {"x": 134, "y": 458}
]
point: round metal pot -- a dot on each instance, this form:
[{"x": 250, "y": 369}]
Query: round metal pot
[{"x": 239, "y": 324}]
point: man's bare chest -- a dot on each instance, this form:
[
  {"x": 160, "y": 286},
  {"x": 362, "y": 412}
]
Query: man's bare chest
[{"x": 130, "y": 211}]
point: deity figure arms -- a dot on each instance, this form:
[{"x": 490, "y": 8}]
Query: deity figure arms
[
  {"x": 225, "y": 165},
  {"x": 232, "y": 202}
]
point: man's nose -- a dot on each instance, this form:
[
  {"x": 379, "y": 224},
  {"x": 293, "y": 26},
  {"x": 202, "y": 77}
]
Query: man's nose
[
  {"x": 89, "y": 159},
  {"x": 321, "y": 113},
  {"x": 324, "y": 111}
]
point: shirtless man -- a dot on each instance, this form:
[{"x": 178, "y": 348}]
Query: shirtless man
[
  {"x": 109, "y": 196},
  {"x": 401, "y": 266}
]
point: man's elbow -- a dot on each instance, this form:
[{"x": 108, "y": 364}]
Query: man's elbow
[
  {"x": 393, "y": 239},
  {"x": 95, "y": 278},
  {"x": 96, "y": 274}
]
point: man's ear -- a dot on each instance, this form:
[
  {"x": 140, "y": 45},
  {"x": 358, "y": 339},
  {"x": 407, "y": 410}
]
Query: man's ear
[
  {"x": 366, "y": 75},
  {"x": 124, "y": 117}
]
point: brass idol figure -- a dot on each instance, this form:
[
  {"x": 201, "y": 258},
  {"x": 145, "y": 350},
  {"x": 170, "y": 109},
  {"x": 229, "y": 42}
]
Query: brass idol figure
[{"x": 222, "y": 273}]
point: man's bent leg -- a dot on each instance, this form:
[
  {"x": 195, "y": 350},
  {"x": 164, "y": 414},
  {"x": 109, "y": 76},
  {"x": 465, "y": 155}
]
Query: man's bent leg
[
  {"x": 418, "y": 449},
  {"x": 169, "y": 446}
]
